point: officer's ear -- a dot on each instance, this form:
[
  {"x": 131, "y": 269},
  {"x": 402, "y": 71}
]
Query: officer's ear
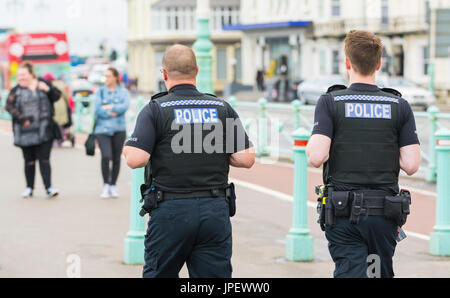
[
  {"x": 379, "y": 65},
  {"x": 348, "y": 65},
  {"x": 197, "y": 71},
  {"x": 164, "y": 73}
]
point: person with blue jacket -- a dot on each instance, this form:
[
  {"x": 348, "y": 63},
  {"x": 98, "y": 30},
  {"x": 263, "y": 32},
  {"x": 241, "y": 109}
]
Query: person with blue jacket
[{"x": 111, "y": 102}]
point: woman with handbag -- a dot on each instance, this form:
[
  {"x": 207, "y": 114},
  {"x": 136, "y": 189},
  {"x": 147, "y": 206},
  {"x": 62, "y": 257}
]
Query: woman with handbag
[
  {"x": 30, "y": 104},
  {"x": 111, "y": 102}
]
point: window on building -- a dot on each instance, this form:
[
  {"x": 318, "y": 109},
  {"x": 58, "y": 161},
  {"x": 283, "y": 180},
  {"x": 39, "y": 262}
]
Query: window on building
[
  {"x": 238, "y": 66},
  {"x": 335, "y": 65},
  {"x": 384, "y": 12},
  {"x": 426, "y": 59},
  {"x": 321, "y": 8},
  {"x": 335, "y": 8},
  {"x": 221, "y": 64}
]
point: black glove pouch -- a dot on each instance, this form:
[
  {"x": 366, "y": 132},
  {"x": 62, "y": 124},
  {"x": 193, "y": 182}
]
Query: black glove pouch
[{"x": 340, "y": 200}]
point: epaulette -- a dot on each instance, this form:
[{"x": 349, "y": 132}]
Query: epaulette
[
  {"x": 392, "y": 91},
  {"x": 211, "y": 94},
  {"x": 336, "y": 87},
  {"x": 158, "y": 95}
]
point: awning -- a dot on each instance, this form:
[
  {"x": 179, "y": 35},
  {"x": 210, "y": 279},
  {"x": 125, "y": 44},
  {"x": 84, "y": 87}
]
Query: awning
[{"x": 289, "y": 24}]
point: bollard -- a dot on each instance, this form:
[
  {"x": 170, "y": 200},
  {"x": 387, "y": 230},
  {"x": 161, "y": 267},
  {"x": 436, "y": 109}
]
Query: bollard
[
  {"x": 432, "y": 117},
  {"x": 262, "y": 128},
  {"x": 134, "y": 243},
  {"x": 299, "y": 243},
  {"x": 78, "y": 108},
  {"x": 440, "y": 238},
  {"x": 233, "y": 102},
  {"x": 140, "y": 103},
  {"x": 297, "y": 104}
]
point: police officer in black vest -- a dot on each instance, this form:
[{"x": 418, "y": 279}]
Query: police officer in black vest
[
  {"x": 363, "y": 135},
  {"x": 187, "y": 140}
]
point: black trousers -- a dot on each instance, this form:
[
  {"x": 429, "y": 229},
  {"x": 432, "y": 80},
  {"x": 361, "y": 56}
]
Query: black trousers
[
  {"x": 111, "y": 149},
  {"x": 42, "y": 153},
  {"x": 350, "y": 245},
  {"x": 192, "y": 231}
]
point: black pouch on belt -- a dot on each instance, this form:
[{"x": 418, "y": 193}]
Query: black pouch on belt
[
  {"x": 357, "y": 208},
  {"x": 231, "y": 198},
  {"x": 340, "y": 201},
  {"x": 396, "y": 209}
]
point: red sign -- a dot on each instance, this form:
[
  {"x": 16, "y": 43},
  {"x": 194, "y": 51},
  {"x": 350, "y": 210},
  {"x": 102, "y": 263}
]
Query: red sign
[{"x": 39, "y": 48}]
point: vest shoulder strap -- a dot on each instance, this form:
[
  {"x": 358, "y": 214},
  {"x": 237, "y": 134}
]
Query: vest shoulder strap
[
  {"x": 392, "y": 91},
  {"x": 158, "y": 95},
  {"x": 336, "y": 88}
]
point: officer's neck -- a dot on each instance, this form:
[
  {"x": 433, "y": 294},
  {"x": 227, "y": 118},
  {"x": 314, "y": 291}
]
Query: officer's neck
[
  {"x": 171, "y": 84},
  {"x": 357, "y": 78}
]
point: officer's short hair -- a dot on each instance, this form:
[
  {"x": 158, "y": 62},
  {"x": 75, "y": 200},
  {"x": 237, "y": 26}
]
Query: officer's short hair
[
  {"x": 179, "y": 60},
  {"x": 364, "y": 50}
]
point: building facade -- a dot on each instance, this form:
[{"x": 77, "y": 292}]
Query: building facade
[
  {"x": 156, "y": 25},
  {"x": 272, "y": 29}
]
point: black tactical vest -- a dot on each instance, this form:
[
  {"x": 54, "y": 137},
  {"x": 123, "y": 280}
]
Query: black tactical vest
[
  {"x": 364, "y": 149},
  {"x": 191, "y": 154}
]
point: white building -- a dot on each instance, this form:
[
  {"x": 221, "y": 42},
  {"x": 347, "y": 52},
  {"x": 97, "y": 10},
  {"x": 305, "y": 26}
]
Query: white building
[
  {"x": 309, "y": 34},
  {"x": 155, "y": 25}
]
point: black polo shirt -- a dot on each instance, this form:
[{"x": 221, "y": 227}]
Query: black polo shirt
[
  {"x": 149, "y": 126},
  {"x": 325, "y": 109}
]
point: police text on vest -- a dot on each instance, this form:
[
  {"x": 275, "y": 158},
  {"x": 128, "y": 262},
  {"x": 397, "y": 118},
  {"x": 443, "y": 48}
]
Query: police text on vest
[{"x": 367, "y": 110}]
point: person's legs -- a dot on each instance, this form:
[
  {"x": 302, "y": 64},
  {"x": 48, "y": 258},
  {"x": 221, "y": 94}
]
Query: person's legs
[
  {"x": 29, "y": 155},
  {"x": 43, "y": 155},
  {"x": 211, "y": 255},
  {"x": 170, "y": 237},
  {"x": 380, "y": 235},
  {"x": 105, "y": 144},
  {"x": 117, "y": 146},
  {"x": 347, "y": 249}
]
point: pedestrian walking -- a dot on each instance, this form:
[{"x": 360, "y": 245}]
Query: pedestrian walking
[
  {"x": 363, "y": 135},
  {"x": 111, "y": 102},
  {"x": 260, "y": 80},
  {"x": 30, "y": 104},
  {"x": 186, "y": 191}
]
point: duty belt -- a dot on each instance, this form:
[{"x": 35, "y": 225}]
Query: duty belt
[
  {"x": 167, "y": 195},
  {"x": 372, "y": 201}
]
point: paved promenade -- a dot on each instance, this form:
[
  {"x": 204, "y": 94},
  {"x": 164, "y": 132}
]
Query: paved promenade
[{"x": 37, "y": 235}]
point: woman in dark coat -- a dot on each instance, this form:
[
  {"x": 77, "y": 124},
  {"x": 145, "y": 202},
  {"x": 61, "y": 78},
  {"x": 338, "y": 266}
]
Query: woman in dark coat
[{"x": 30, "y": 104}]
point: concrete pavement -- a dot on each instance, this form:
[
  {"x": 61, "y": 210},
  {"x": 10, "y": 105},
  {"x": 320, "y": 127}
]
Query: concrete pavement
[{"x": 38, "y": 235}]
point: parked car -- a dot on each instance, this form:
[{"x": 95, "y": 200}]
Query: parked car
[
  {"x": 413, "y": 93},
  {"x": 97, "y": 74},
  {"x": 310, "y": 90}
]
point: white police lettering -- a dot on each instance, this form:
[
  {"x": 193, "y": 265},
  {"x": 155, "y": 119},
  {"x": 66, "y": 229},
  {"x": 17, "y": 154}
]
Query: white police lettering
[
  {"x": 367, "y": 110},
  {"x": 196, "y": 115}
]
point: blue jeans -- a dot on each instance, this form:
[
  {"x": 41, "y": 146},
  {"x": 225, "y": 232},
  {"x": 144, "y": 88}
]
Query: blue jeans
[{"x": 194, "y": 231}]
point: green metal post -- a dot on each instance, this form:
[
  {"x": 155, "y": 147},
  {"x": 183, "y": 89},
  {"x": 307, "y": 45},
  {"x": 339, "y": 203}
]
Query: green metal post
[
  {"x": 299, "y": 243},
  {"x": 432, "y": 117},
  {"x": 91, "y": 112},
  {"x": 440, "y": 238},
  {"x": 262, "y": 128},
  {"x": 431, "y": 74},
  {"x": 202, "y": 48},
  {"x": 134, "y": 242},
  {"x": 140, "y": 103},
  {"x": 297, "y": 104},
  {"x": 78, "y": 110},
  {"x": 232, "y": 101}
]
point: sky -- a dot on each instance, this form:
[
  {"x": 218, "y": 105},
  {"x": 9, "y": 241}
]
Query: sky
[{"x": 86, "y": 22}]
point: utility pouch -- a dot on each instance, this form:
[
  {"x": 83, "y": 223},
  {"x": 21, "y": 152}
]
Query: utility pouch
[
  {"x": 329, "y": 213},
  {"x": 150, "y": 197},
  {"x": 396, "y": 209},
  {"x": 340, "y": 200},
  {"x": 230, "y": 196},
  {"x": 357, "y": 208}
]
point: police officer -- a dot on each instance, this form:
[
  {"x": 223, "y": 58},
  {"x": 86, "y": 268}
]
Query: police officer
[
  {"x": 189, "y": 140},
  {"x": 363, "y": 135}
]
